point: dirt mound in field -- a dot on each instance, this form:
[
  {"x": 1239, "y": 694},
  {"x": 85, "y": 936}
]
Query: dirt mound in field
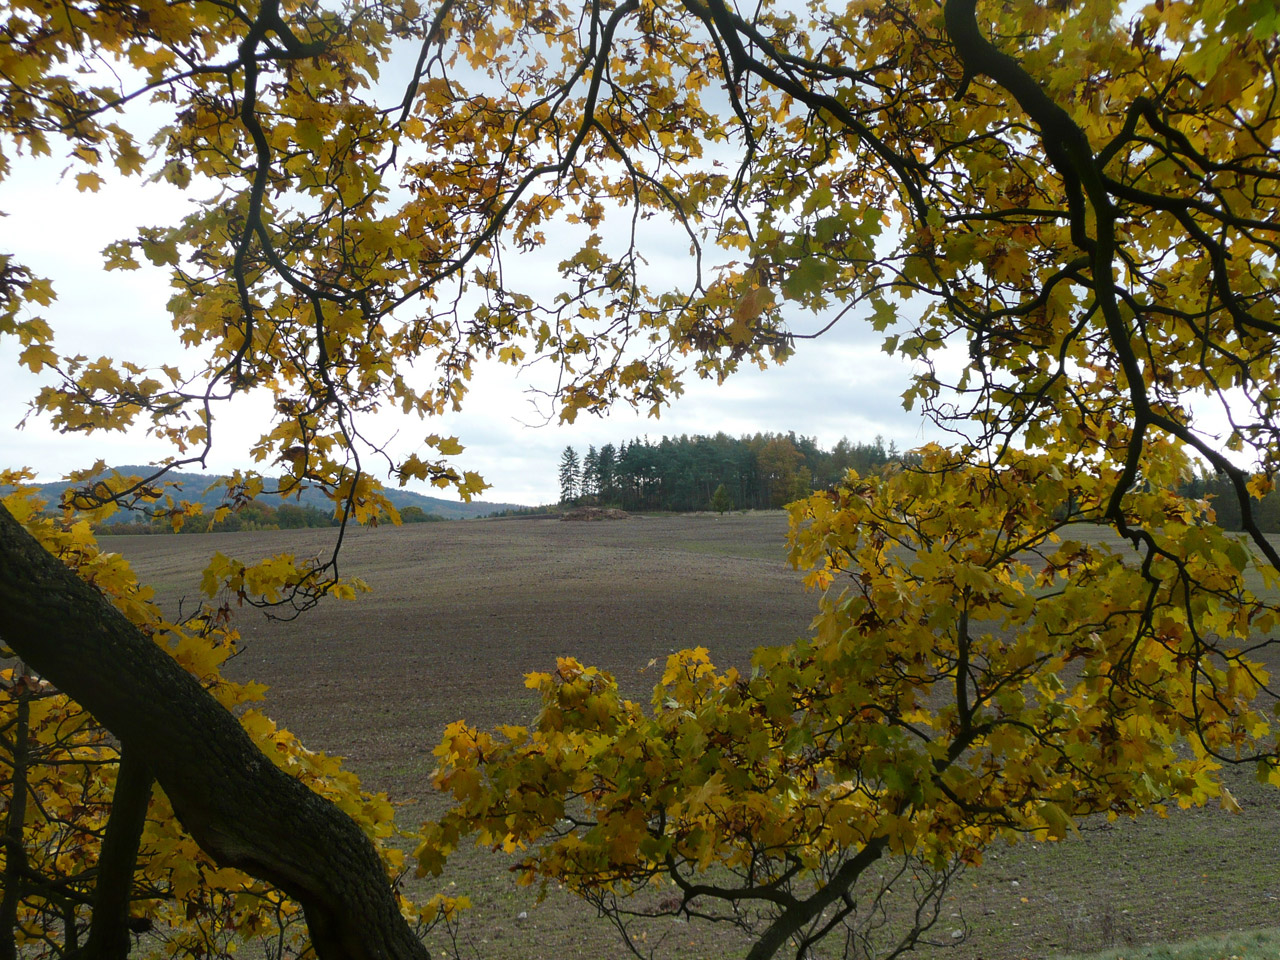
[{"x": 596, "y": 513}]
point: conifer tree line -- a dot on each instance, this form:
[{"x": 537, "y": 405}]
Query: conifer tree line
[
  {"x": 768, "y": 470},
  {"x": 684, "y": 473}
]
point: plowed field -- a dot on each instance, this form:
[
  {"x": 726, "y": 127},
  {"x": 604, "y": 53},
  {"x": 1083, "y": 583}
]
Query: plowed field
[{"x": 461, "y": 611}]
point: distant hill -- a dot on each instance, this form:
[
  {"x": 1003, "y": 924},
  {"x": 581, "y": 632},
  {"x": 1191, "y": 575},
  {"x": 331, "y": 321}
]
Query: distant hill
[{"x": 195, "y": 484}]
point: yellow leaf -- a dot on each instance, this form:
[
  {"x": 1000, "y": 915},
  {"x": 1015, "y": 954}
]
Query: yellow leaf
[
  {"x": 88, "y": 181},
  {"x": 1228, "y": 801}
]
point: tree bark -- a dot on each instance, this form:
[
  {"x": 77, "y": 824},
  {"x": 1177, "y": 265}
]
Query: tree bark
[
  {"x": 109, "y": 928},
  {"x": 242, "y": 810},
  {"x": 15, "y": 861},
  {"x": 795, "y": 917}
]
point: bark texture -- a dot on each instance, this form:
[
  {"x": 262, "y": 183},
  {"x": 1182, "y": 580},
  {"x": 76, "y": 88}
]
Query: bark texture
[
  {"x": 242, "y": 810},
  {"x": 109, "y": 929},
  {"x": 15, "y": 860}
]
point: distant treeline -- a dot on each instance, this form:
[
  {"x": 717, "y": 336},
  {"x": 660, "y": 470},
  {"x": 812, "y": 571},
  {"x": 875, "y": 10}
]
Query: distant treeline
[
  {"x": 1226, "y": 505},
  {"x": 255, "y": 516},
  {"x": 685, "y": 473},
  {"x": 768, "y": 470},
  {"x": 545, "y": 510}
]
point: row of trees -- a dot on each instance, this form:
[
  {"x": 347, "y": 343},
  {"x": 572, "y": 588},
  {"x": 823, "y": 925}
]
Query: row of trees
[
  {"x": 763, "y": 471},
  {"x": 768, "y": 470},
  {"x": 255, "y": 516}
]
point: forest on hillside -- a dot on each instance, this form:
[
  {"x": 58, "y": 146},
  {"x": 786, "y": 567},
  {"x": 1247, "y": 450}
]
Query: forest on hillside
[
  {"x": 248, "y": 517},
  {"x": 768, "y": 470},
  {"x": 762, "y": 471}
]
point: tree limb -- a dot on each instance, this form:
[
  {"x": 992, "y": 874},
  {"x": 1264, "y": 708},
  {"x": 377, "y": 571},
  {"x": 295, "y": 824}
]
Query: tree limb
[{"x": 243, "y": 810}]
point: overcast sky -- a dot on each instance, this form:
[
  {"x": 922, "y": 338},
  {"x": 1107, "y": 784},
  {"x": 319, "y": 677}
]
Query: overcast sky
[{"x": 840, "y": 385}]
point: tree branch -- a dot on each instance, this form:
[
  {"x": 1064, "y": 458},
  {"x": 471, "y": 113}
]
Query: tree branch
[{"x": 243, "y": 810}]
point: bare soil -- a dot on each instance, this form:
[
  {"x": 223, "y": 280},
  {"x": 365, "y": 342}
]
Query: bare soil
[{"x": 461, "y": 611}]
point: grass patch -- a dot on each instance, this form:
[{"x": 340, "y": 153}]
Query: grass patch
[{"x": 1252, "y": 945}]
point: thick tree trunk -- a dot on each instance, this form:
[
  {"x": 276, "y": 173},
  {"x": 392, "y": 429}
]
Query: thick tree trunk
[{"x": 242, "y": 810}]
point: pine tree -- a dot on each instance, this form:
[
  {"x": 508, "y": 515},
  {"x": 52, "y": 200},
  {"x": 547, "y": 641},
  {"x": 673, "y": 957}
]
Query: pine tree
[
  {"x": 570, "y": 475},
  {"x": 720, "y": 500},
  {"x": 606, "y": 473},
  {"x": 589, "y": 483}
]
